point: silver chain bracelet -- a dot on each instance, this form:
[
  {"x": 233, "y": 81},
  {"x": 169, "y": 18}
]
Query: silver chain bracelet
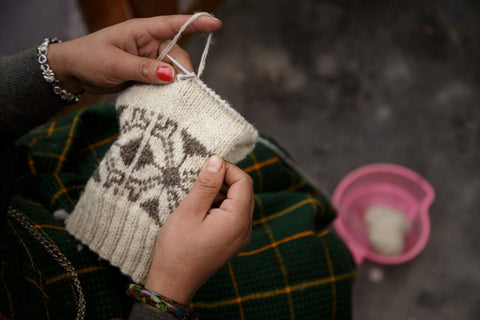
[
  {"x": 48, "y": 73},
  {"x": 55, "y": 252}
]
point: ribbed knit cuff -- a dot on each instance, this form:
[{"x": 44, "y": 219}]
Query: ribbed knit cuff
[{"x": 116, "y": 229}]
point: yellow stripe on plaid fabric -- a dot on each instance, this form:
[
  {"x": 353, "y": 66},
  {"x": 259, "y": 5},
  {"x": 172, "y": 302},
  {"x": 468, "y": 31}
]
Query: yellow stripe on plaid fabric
[
  {"x": 260, "y": 165},
  {"x": 65, "y": 190},
  {"x": 296, "y": 186},
  {"x": 62, "y": 190},
  {"x": 276, "y": 243},
  {"x": 46, "y": 235},
  {"x": 2, "y": 317},
  {"x": 45, "y": 154},
  {"x": 278, "y": 255},
  {"x": 42, "y": 291},
  {"x": 317, "y": 204},
  {"x": 323, "y": 233},
  {"x": 235, "y": 288},
  {"x": 9, "y": 296},
  {"x": 33, "y": 142},
  {"x": 256, "y": 167},
  {"x": 49, "y": 226},
  {"x": 94, "y": 153},
  {"x": 69, "y": 141},
  {"x": 73, "y": 290},
  {"x": 67, "y": 275},
  {"x": 40, "y": 288},
  {"x": 30, "y": 258},
  {"x": 309, "y": 200},
  {"x": 273, "y": 293},
  {"x": 98, "y": 144},
  {"x": 31, "y": 164},
  {"x": 39, "y": 228},
  {"x": 284, "y": 240},
  {"x": 33, "y": 203},
  {"x": 51, "y": 128},
  {"x": 334, "y": 288},
  {"x": 46, "y": 130}
]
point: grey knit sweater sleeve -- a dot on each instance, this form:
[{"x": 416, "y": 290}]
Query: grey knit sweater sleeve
[
  {"x": 26, "y": 99},
  {"x": 142, "y": 312}
]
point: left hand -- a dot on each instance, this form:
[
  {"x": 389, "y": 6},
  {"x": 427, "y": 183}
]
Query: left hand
[
  {"x": 198, "y": 238},
  {"x": 106, "y": 60}
]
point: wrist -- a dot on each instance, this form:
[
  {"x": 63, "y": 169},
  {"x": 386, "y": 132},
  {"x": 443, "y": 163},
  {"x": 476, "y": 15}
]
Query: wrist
[
  {"x": 171, "y": 286},
  {"x": 58, "y": 61}
]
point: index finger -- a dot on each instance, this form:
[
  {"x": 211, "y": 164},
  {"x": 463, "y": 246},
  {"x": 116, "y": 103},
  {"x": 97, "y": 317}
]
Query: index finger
[
  {"x": 166, "y": 27},
  {"x": 240, "y": 189}
]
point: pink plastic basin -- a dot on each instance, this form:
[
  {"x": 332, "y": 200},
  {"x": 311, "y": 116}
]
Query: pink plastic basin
[{"x": 382, "y": 184}]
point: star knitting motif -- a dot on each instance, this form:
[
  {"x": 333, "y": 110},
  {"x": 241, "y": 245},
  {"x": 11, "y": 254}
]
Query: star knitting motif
[{"x": 151, "y": 163}]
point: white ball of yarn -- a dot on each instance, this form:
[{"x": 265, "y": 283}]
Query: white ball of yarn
[{"x": 387, "y": 228}]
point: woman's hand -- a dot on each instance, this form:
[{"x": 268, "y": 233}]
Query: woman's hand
[
  {"x": 104, "y": 61},
  {"x": 198, "y": 239}
]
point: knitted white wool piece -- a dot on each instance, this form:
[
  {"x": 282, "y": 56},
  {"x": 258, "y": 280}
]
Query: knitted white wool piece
[{"x": 167, "y": 133}]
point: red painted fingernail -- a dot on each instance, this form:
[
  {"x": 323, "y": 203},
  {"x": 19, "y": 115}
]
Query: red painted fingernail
[{"x": 165, "y": 74}]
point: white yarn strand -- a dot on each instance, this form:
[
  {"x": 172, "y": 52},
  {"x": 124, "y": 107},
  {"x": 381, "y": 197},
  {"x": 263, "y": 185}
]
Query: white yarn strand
[
  {"x": 201, "y": 66},
  {"x": 170, "y": 45}
]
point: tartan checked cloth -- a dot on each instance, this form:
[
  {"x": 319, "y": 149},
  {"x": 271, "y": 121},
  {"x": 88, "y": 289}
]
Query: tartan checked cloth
[{"x": 294, "y": 267}]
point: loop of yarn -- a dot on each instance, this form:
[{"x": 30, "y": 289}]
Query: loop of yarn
[{"x": 169, "y": 47}]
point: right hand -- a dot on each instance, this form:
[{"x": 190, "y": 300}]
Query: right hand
[{"x": 197, "y": 239}]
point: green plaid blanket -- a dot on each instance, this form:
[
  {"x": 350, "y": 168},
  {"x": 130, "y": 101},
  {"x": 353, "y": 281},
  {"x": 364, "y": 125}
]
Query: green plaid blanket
[{"x": 294, "y": 267}]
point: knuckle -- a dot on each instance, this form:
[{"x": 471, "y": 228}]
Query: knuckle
[
  {"x": 181, "y": 53},
  {"x": 207, "y": 183},
  {"x": 144, "y": 68},
  {"x": 109, "y": 64}
]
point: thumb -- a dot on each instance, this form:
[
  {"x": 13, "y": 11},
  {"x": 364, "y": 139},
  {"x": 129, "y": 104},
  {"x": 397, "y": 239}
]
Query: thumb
[
  {"x": 206, "y": 187},
  {"x": 143, "y": 69}
]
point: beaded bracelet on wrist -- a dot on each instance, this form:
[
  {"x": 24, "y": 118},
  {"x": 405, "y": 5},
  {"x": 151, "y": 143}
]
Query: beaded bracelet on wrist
[
  {"x": 160, "y": 302},
  {"x": 48, "y": 73}
]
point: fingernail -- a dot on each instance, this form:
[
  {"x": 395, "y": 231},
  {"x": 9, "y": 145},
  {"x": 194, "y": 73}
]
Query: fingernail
[
  {"x": 165, "y": 73},
  {"x": 214, "y": 164}
]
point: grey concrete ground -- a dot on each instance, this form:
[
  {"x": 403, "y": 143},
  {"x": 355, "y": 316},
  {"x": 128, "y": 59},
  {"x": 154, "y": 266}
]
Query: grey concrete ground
[{"x": 345, "y": 83}]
